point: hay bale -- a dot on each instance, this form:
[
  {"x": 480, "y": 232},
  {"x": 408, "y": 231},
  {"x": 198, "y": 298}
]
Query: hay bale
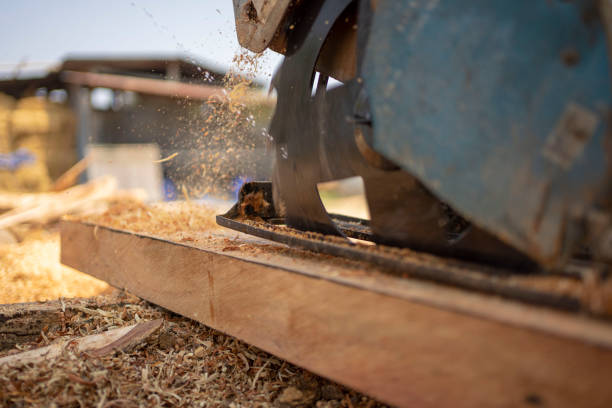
[
  {"x": 28, "y": 178},
  {"x": 36, "y": 143},
  {"x": 61, "y": 146},
  {"x": 34, "y": 176},
  {"x": 35, "y": 115},
  {"x": 7, "y": 103},
  {"x": 56, "y": 126},
  {"x": 47, "y": 130}
]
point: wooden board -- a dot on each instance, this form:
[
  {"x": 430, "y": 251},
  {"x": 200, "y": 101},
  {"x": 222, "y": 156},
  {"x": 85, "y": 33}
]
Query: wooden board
[{"x": 406, "y": 342}]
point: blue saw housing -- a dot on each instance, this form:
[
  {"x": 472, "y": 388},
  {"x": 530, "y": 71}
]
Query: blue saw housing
[{"x": 500, "y": 108}]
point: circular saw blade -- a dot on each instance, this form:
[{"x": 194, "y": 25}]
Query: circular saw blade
[{"x": 314, "y": 130}]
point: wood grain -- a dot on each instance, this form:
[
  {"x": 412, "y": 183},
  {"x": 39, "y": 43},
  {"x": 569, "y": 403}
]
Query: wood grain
[{"x": 404, "y": 352}]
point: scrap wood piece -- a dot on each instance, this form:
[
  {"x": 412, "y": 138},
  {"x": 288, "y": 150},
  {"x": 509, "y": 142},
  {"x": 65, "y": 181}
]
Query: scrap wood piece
[
  {"x": 135, "y": 335},
  {"x": 96, "y": 345},
  {"x": 10, "y": 200},
  {"x": 23, "y": 322},
  {"x": 16, "y": 200},
  {"x": 56, "y": 205},
  {"x": 70, "y": 176},
  {"x": 20, "y": 323}
]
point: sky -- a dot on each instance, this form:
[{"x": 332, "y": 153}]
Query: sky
[{"x": 42, "y": 32}]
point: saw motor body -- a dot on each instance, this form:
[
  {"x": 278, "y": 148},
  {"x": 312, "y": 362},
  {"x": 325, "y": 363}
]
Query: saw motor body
[{"x": 480, "y": 128}]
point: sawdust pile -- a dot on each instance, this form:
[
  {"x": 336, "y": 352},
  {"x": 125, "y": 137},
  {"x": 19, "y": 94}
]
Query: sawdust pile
[
  {"x": 162, "y": 219},
  {"x": 185, "y": 364},
  {"x": 31, "y": 271},
  {"x": 189, "y": 223}
]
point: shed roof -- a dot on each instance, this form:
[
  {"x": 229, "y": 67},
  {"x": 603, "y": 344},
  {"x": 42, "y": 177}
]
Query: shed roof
[{"x": 157, "y": 67}]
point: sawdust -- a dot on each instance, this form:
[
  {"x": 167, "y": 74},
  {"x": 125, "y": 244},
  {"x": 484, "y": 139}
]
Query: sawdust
[
  {"x": 186, "y": 364},
  {"x": 230, "y": 139},
  {"x": 563, "y": 286},
  {"x": 183, "y": 221},
  {"x": 594, "y": 297},
  {"x": 254, "y": 204},
  {"x": 31, "y": 271},
  {"x": 162, "y": 219}
]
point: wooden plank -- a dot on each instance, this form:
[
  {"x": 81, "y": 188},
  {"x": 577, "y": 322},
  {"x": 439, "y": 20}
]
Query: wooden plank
[{"x": 406, "y": 349}]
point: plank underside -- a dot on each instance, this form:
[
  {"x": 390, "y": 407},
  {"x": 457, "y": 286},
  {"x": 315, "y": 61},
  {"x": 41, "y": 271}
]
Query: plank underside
[{"x": 405, "y": 342}]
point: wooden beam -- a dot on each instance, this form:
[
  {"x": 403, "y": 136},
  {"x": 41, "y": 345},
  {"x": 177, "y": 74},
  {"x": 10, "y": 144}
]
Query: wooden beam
[
  {"x": 160, "y": 87},
  {"x": 143, "y": 85},
  {"x": 405, "y": 342}
]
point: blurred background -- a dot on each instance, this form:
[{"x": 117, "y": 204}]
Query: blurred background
[
  {"x": 108, "y": 103},
  {"x": 157, "y": 94},
  {"x": 117, "y": 102}
]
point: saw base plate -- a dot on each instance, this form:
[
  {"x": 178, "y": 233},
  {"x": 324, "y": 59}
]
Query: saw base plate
[{"x": 254, "y": 215}]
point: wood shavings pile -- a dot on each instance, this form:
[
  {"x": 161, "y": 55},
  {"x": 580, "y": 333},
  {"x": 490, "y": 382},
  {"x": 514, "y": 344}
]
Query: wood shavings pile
[
  {"x": 190, "y": 223},
  {"x": 31, "y": 271},
  {"x": 162, "y": 219},
  {"x": 184, "y": 364},
  {"x": 43, "y": 208}
]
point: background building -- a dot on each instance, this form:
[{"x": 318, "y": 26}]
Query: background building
[{"x": 208, "y": 125}]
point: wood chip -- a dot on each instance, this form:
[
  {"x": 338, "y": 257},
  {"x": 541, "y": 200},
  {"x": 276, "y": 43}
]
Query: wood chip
[
  {"x": 208, "y": 369},
  {"x": 95, "y": 345}
]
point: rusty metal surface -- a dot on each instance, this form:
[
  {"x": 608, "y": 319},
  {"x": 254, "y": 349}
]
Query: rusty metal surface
[{"x": 500, "y": 108}]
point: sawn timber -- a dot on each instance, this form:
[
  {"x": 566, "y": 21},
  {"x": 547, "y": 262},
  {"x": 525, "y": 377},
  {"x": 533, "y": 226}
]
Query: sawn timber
[{"x": 403, "y": 341}]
